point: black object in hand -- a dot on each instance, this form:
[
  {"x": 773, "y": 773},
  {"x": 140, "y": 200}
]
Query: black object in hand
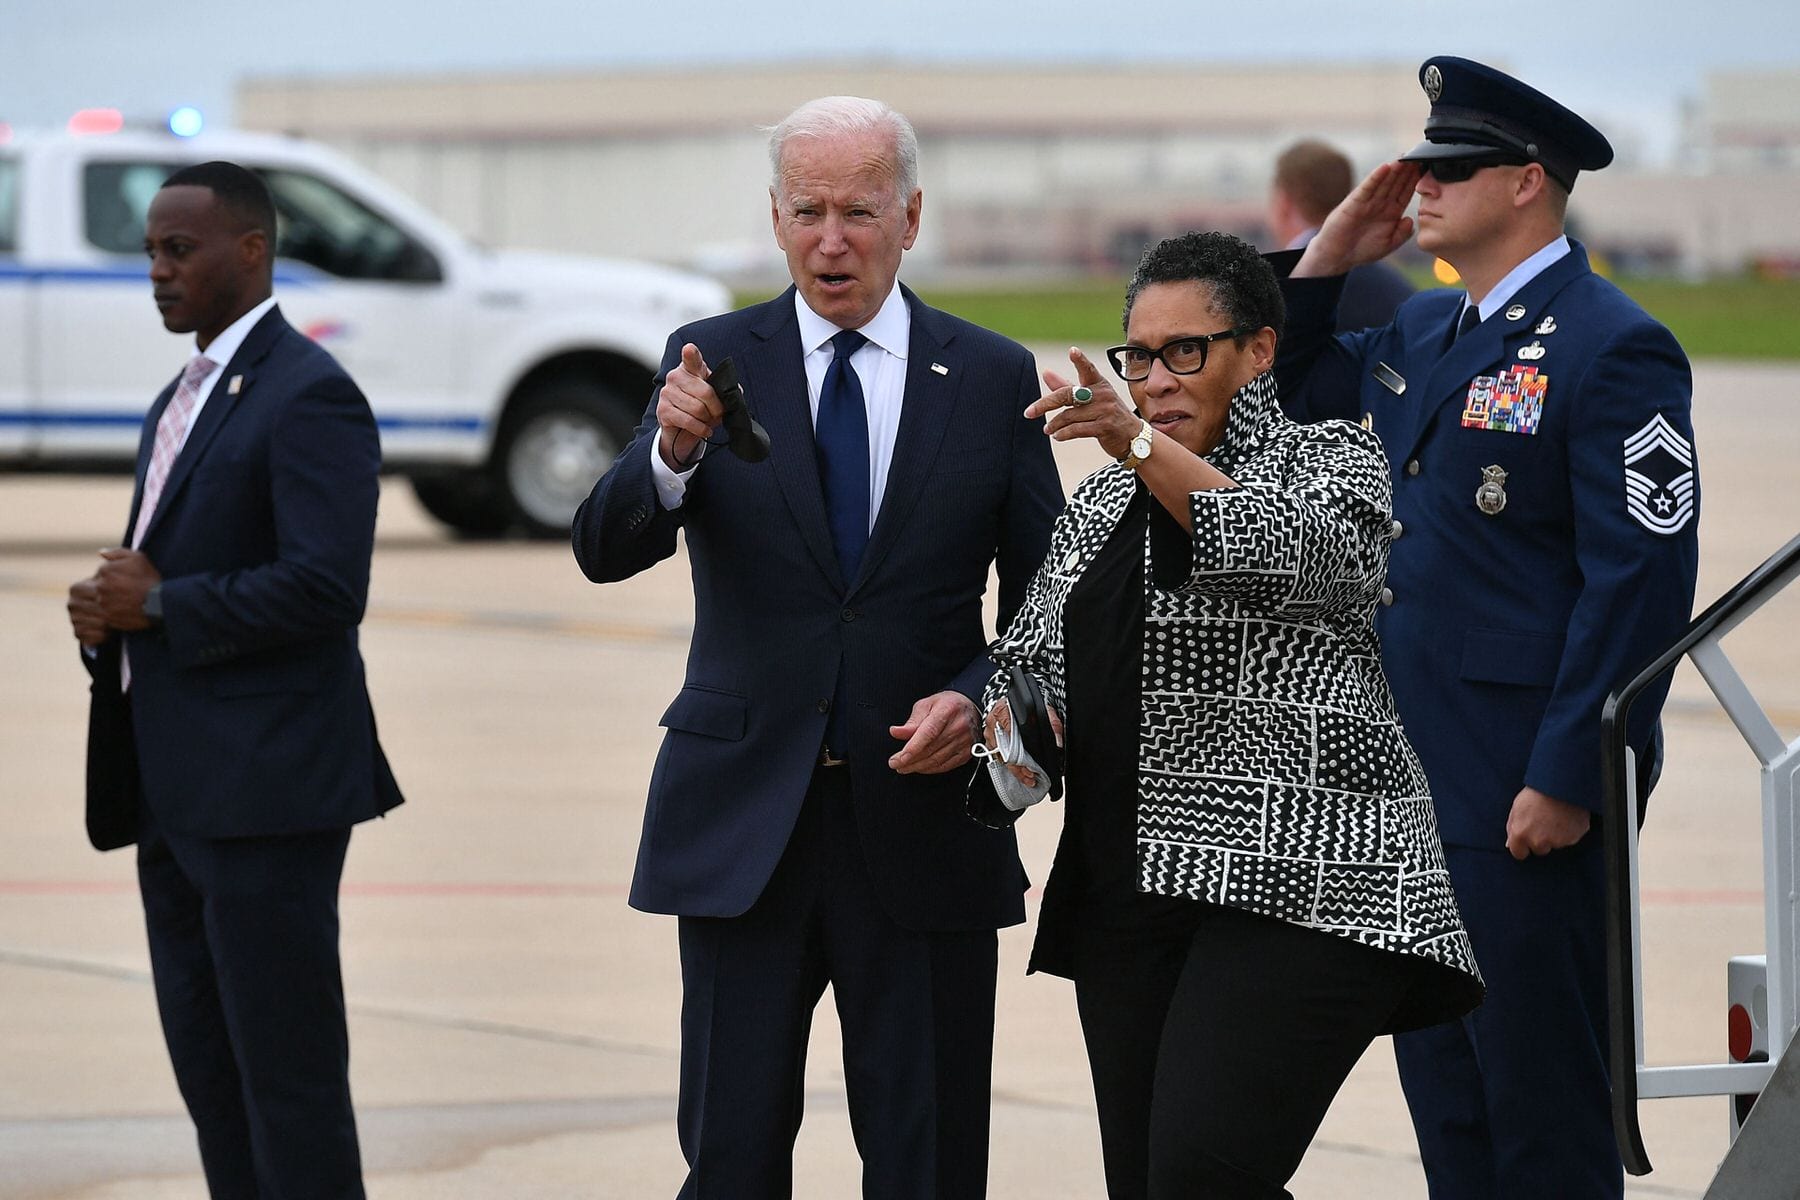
[{"x": 746, "y": 439}]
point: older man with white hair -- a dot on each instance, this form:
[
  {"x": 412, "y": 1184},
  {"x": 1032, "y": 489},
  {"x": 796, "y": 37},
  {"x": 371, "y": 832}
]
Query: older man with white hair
[{"x": 806, "y": 813}]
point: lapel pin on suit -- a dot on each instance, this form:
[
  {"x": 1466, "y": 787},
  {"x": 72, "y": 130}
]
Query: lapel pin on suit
[
  {"x": 940, "y": 368},
  {"x": 235, "y": 386}
]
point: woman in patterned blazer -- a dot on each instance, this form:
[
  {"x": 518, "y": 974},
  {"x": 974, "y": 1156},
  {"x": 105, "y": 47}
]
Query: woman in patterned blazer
[{"x": 1249, "y": 887}]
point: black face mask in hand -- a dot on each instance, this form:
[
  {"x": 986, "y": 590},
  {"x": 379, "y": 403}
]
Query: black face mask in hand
[{"x": 743, "y": 435}]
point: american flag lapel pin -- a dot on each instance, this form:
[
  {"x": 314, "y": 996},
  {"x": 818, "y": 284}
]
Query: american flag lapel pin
[{"x": 940, "y": 368}]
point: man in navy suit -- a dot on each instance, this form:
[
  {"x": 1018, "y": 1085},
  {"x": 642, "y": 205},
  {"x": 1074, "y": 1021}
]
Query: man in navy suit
[
  {"x": 230, "y": 733},
  {"x": 1311, "y": 179},
  {"x": 806, "y": 814},
  {"x": 1545, "y": 498}
]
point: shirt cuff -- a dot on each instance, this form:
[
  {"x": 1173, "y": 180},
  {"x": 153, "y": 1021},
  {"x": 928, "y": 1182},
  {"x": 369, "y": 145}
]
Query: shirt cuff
[{"x": 671, "y": 485}]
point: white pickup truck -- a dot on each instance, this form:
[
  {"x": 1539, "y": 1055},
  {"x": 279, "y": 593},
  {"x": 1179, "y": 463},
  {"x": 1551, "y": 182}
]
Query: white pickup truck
[{"x": 503, "y": 382}]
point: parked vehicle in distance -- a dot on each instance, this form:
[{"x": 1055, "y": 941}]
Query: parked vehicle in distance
[{"x": 504, "y": 382}]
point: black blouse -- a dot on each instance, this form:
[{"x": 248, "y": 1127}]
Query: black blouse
[{"x": 1093, "y": 886}]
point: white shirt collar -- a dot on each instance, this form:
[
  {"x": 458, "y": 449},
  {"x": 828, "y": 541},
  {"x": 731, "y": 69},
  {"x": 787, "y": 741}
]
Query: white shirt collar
[
  {"x": 890, "y": 327},
  {"x": 224, "y": 347},
  {"x": 1519, "y": 276}
]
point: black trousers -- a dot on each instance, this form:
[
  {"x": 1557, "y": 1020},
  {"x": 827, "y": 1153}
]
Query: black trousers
[
  {"x": 244, "y": 952},
  {"x": 917, "y": 1012},
  {"x": 1217, "y": 1049}
]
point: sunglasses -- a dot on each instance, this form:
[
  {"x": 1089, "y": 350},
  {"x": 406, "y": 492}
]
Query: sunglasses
[
  {"x": 1456, "y": 170},
  {"x": 1183, "y": 356}
]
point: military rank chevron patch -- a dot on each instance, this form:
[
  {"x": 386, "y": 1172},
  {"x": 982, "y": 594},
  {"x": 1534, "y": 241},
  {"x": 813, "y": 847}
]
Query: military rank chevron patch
[{"x": 1659, "y": 477}]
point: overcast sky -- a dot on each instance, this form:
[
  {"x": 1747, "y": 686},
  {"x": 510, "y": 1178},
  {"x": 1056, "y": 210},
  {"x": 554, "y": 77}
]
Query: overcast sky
[{"x": 1626, "y": 64}]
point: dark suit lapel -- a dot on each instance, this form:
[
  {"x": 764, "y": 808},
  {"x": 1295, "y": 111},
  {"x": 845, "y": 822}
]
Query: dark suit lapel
[
  {"x": 774, "y": 378},
  {"x": 1484, "y": 350},
  {"x": 924, "y": 416},
  {"x": 233, "y": 386}
]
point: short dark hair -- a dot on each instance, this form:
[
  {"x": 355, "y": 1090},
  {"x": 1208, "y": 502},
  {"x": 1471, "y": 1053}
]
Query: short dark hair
[
  {"x": 1315, "y": 177},
  {"x": 1242, "y": 283},
  {"x": 241, "y": 192}
]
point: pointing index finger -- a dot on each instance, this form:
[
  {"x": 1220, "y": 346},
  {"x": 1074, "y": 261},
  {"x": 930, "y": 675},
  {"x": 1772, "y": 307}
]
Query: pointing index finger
[{"x": 1084, "y": 366}]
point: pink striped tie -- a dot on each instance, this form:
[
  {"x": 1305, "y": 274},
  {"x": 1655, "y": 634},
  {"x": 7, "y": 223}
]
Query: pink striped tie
[{"x": 171, "y": 435}]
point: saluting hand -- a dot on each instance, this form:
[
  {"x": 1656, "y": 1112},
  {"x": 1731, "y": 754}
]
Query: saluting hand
[
  {"x": 688, "y": 410},
  {"x": 1106, "y": 418},
  {"x": 1368, "y": 224}
]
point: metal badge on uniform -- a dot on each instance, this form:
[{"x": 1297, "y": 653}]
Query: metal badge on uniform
[
  {"x": 1490, "y": 497},
  {"x": 235, "y": 386},
  {"x": 1546, "y": 326},
  {"x": 1532, "y": 352},
  {"x": 1390, "y": 379},
  {"x": 1515, "y": 312},
  {"x": 1510, "y": 402},
  {"x": 1434, "y": 83}
]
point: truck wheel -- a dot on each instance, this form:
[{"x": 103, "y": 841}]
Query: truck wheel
[
  {"x": 555, "y": 445},
  {"x": 466, "y": 501}
]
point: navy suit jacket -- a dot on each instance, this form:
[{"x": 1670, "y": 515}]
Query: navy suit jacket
[
  {"x": 972, "y": 486},
  {"x": 248, "y": 708},
  {"x": 1372, "y": 294},
  {"x": 1504, "y": 632}
]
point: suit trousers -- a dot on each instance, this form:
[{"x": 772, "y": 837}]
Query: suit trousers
[
  {"x": 916, "y": 1011},
  {"x": 1216, "y": 1050},
  {"x": 1514, "y": 1099},
  {"x": 244, "y": 952}
]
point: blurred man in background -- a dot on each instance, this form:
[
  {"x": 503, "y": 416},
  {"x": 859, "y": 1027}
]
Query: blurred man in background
[{"x": 1311, "y": 177}]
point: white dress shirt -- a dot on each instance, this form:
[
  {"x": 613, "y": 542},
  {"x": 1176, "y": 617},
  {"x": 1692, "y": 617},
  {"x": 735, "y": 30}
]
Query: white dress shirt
[
  {"x": 1517, "y": 278},
  {"x": 880, "y": 367}
]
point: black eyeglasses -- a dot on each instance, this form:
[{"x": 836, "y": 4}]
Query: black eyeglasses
[
  {"x": 1456, "y": 170},
  {"x": 1183, "y": 356}
]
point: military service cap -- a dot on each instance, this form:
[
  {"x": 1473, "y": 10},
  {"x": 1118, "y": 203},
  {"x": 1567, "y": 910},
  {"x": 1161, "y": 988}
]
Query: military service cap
[{"x": 1478, "y": 112}]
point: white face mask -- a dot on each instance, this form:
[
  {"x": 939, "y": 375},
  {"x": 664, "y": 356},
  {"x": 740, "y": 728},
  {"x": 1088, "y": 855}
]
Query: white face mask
[{"x": 1014, "y": 794}]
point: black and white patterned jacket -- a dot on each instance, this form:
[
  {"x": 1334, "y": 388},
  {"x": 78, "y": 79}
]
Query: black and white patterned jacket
[{"x": 1273, "y": 774}]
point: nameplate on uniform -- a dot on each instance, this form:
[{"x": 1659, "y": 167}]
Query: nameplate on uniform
[
  {"x": 1390, "y": 379},
  {"x": 1510, "y": 402}
]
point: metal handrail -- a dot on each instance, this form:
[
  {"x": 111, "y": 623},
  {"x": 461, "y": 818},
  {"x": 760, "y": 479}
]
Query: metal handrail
[{"x": 1620, "y": 823}]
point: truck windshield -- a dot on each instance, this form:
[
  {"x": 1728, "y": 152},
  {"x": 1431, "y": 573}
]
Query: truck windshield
[
  {"x": 9, "y": 206},
  {"x": 318, "y": 224}
]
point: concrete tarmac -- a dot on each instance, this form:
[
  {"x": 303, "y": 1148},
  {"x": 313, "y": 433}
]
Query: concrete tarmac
[{"x": 514, "y": 1022}]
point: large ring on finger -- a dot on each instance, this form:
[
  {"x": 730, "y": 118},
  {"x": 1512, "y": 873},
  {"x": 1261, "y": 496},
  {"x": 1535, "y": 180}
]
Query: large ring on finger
[{"x": 1081, "y": 395}]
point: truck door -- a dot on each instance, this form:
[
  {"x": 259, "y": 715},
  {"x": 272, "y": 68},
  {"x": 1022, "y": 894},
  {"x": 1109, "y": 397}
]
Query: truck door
[
  {"x": 16, "y": 342},
  {"x": 346, "y": 276},
  {"x": 376, "y": 296}
]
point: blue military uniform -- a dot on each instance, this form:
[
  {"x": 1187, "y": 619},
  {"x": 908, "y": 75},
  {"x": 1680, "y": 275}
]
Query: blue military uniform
[{"x": 1545, "y": 498}]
